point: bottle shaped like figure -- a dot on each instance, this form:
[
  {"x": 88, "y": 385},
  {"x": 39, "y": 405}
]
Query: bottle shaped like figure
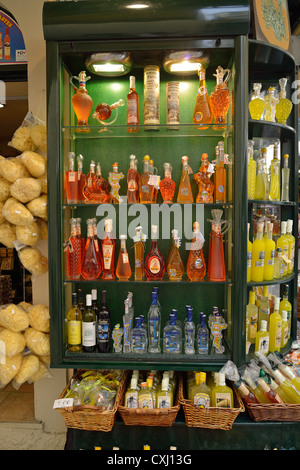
[
  {"x": 202, "y": 336},
  {"x": 189, "y": 333},
  {"x": 132, "y": 181},
  {"x": 154, "y": 325},
  {"x": 167, "y": 185},
  {"x": 172, "y": 337},
  {"x": 73, "y": 253},
  {"x": 108, "y": 251},
  {"x": 205, "y": 185},
  {"x": 202, "y": 116},
  {"x": 284, "y": 105},
  {"x": 256, "y": 104},
  {"x": 123, "y": 270},
  {"x": 82, "y": 102},
  {"x": 72, "y": 181},
  {"x": 196, "y": 267},
  {"x": 139, "y": 338},
  {"x": 114, "y": 178},
  {"x": 154, "y": 263},
  {"x": 251, "y": 171},
  {"x": 91, "y": 266},
  {"x": 132, "y": 107},
  {"x": 185, "y": 194},
  {"x": 270, "y": 105},
  {"x": 175, "y": 267},
  {"x": 145, "y": 189},
  {"x": 220, "y": 98}
]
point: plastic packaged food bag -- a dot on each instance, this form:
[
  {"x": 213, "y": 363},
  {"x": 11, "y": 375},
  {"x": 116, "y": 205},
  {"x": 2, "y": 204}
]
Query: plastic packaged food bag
[
  {"x": 30, "y": 135},
  {"x": 38, "y": 207},
  {"x": 39, "y": 136},
  {"x": 13, "y": 318},
  {"x": 25, "y": 189},
  {"x": 32, "y": 259},
  {"x": 41, "y": 373},
  {"x": 4, "y": 188},
  {"x": 7, "y": 234}
]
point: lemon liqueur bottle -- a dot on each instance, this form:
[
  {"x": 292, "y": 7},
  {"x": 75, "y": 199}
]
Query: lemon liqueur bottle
[
  {"x": 221, "y": 394},
  {"x": 286, "y": 306},
  {"x": 74, "y": 322},
  {"x": 291, "y": 240},
  {"x": 275, "y": 327},
  {"x": 262, "y": 338},
  {"x": 251, "y": 171},
  {"x": 284, "y": 105},
  {"x": 285, "y": 179},
  {"x": 252, "y": 318},
  {"x": 258, "y": 255},
  {"x": 275, "y": 175},
  {"x": 283, "y": 243},
  {"x": 249, "y": 254},
  {"x": 200, "y": 393},
  {"x": 269, "y": 254},
  {"x": 256, "y": 104}
]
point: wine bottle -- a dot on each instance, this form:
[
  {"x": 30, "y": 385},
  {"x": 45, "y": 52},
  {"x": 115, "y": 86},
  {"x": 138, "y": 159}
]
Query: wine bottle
[{"x": 103, "y": 325}]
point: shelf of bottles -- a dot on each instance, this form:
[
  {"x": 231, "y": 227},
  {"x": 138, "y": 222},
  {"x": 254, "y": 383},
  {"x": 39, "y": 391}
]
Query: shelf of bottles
[
  {"x": 271, "y": 209},
  {"x": 164, "y": 151}
]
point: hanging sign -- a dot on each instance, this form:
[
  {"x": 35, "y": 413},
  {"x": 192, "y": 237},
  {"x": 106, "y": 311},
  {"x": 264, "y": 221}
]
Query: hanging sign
[{"x": 12, "y": 46}]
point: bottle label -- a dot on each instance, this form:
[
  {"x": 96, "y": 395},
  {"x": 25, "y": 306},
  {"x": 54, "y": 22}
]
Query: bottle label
[
  {"x": 264, "y": 310},
  {"x": 131, "y": 112},
  {"x": 145, "y": 189},
  {"x": 184, "y": 191},
  {"x": 107, "y": 255},
  {"x": 88, "y": 334},
  {"x": 132, "y": 185},
  {"x": 131, "y": 400},
  {"x": 71, "y": 176},
  {"x": 261, "y": 260},
  {"x": 154, "y": 265},
  {"x": 74, "y": 332},
  {"x": 285, "y": 334},
  {"x": 278, "y": 334},
  {"x": 202, "y": 343},
  {"x": 163, "y": 402},
  {"x": 202, "y": 90},
  {"x": 263, "y": 344},
  {"x": 223, "y": 400},
  {"x": 154, "y": 330},
  {"x": 102, "y": 331},
  {"x": 249, "y": 259},
  {"x": 146, "y": 401},
  {"x": 172, "y": 342},
  {"x": 221, "y": 188},
  {"x": 201, "y": 400},
  {"x": 125, "y": 258},
  {"x": 272, "y": 258}
]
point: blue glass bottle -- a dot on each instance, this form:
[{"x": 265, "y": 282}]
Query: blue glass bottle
[
  {"x": 172, "y": 336},
  {"x": 202, "y": 335},
  {"x": 189, "y": 333},
  {"x": 154, "y": 325},
  {"x": 139, "y": 338}
]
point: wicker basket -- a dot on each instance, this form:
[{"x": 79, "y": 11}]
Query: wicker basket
[
  {"x": 90, "y": 418},
  {"x": 154, "y": 417},
  {"x": 212, "y": 418},
  {"x": 273, "y": 411}
]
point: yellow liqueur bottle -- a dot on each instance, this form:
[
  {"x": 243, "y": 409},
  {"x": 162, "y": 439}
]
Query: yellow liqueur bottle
[
  {"x": 146, "y": 396},
  {"x": 285, "y": 179},
  {"x": 251, "y": 171},
  {"x": 285, "y": 305},
  {"x": 264, "y": 307},
  {"x": 260, "y": 189},
  {"x": 291, "y": 240},
  {"x": 74, "y": 323},
  {"x": 164, "y": 397},
  {"x": 252, "y": 318},
  {"x": 258, "y": 255},
  {"x": 275, "y": 327},
  {"x": 288, "y": 387},
  {"x": 269, "y": 254},
  {"x": 131, "y": 395},
  {"x": 262, "y": 338},
  {"x": 185, "y": 194},
  {"x": 284, "y": 105},
  {"x": 249, "y": 254},
  {"x": 221, "y": 394},
  {"x": 284, "y": 329},
  {"x": 270, "y": 105},
  {"x": 200, "y": 393},
  {"x": 256, "y": 104},
  {"x": 275, "y": 174},
  {"x": 283, "y": 243}
]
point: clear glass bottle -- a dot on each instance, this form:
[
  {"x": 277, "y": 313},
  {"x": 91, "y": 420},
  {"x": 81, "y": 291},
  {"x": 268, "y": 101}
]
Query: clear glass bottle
[
  {"x": 88, "y": 189},
  {"x": 91, "y": 267},
  {"x": 175, "y": 267},
  {"x": 285, "y": 179},
  {"x": 285, "y": 305},
  {"x": 246, "y": 394},
  {"x": 74, "y": 322},
  {"x": 216, "y": 260},
  {"x": 117, "y": 335},
  {"x": 284, "y": 105},
  {"x": 101, "y": 189},
  {"x": 72, "y": 181},
  {"x": 154, "y": 262},
  {"x": 202, "y": 336},
  {"x": 164, "y": 397},
  {"x": 145, "y": 189},
  {"x": 146, "y": 398},
  {"x": 262, "y": 339},
  {"x": 272, "y": 396},
  {"x": 202, "y": 115},
  {"x": 153, "y": 180},
  {"x": 132, "y": 107},
  {"x": 103, "y": 325},
  {"x": 189, "y": 333},
  {"x": 127, "y": 326},
  {"x": 185, "y": 195},
  {"x": 123, "y": 269},
  {"x": 172, "y": 337},
  {"x": 131, "y": 395},
  {"x": 196, "y": 266},
  {"x": 279, "y": 264},
  {"x": 108, "y": 251},
  {"x": 270, "y": 105},
  {"x": 220, "y": 98},
  {"x": 251, "y": 171},
  {"x": 205, "y": 185},
  {"x": 154, "y": 325},
  {"x": 252, "y": 318},
  {"x": 291, "y": 240},
  {"x": 256, "y": 104},
  {"x": 260, "y": 189},
  {"x": 275, "y": 184},
  {"x": 133, "y": 181},
  {"x": 73, "y": 247},
  {"x": 139, "y": 253},
  {"x": 284, "y": 329},
  {"x": 264, "y": 307},
  {"x": 167, "y": 185},
  {"x": 88, "y": 326},
  {"x": 139, "y": 338}
]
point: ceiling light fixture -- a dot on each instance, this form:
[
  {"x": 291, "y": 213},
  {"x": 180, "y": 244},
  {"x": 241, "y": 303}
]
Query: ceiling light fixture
[
  {"x": 109, "y": 64},
  {"x": 138, "y": 6},
  {"x": 185, "y": 62}
]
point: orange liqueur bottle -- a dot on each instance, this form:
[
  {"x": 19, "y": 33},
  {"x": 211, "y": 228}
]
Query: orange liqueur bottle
[
  {"x": 123, "y": 270},
  {"x": 108, "y": 252},
  {"x": 73, "y": 252},
  {"x": 202, "y": 112},
  {"x": 132, "y": 181},
  {"x": 154, "y": 263},
  {"x": 82, "y": 102},
  {"x": 91, "y": 264},
  {"x": 71, "y": 181},
  {"x": 220, "y": 174},
  {"x": 205, "y": 185},
  {"x": 132, "y": 107},
  {"x": 185, "y": 194},
  {"x": 167, "y": 185},
  {"x": 220, "y": 98},
  {"x": 175, "y": 268},
  {"x": 146, "y": 189},
  {"x": 196, "y": 267}
]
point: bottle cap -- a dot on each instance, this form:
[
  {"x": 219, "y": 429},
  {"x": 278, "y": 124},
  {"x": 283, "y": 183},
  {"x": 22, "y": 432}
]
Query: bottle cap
[
  {"x": 94, "y": 294},
  {"x": 88, "y": 299},
  {"x": 289, "y": 225},
  {"x": 277, "y": 302},
  {"x": 265, "y": 291},
  {"x": 164, "y": 384}
]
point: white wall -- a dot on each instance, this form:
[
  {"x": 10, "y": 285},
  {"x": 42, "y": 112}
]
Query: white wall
[{"x": 28, "y": 14}]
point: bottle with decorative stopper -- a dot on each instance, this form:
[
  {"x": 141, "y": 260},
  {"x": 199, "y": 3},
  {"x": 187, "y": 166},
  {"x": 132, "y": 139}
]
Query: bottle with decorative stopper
[
  {"x": 108, "y": 251},
  {"x": 82, "y": 102},
  {"x": 270, "y": 105},
  {"x": 175, "y": 267},
  {"x": 71, "y": 181},
  {"x": 220, "y": 175},
  {"x": 256, "y": 104},
  {"x": 251, "y": 171},
  {"x": 103, "y": 112},
  {"x": 205, "y": 185},
  {"x": 132, "y": 181},
  {"x": 91, "y": 266},
  {"x": 154, "y": 263},
  {"x": 73, "y": 252},
  {"x": 284, "y": 105},
  {"x": 196, "y": 266},
  {"x": 202, "y": 115},
  {"x": 216, "y": 260},
  {"x": 145, "y": 189},
  {"x": 114, "y": 178},
  {"x": 167, "y": 185},
  {"x": 185, "y": 194},
  {"x": 220, "y": 98},
  {"x": 123, "y": 270}
]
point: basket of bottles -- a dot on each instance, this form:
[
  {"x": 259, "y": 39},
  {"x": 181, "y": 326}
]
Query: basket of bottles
[
  {"x": 95, "y": 396},
  {"x": 209, "y": 406},
  {"x": 151, "y": 399}
]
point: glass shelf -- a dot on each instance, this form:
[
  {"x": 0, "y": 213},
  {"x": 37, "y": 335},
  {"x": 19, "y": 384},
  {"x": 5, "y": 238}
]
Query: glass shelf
[
  {"x": 282, "y": 280},
  {"x": 273, "y": 130},
  {"x": 185, "y": 281},
  {"x": 278, "y": 203}
]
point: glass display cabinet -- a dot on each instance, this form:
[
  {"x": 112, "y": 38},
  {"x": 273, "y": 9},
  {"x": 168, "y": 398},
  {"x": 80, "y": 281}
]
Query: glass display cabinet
[{"x": 158, "y": 44}]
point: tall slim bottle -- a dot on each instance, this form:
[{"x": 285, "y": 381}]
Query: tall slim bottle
[
  {"x": 285, "y": 179},
  {"x": 269, "y": 254},
  {"x": 251, "y": 171},
  {"x": 220, "y": 176},
  {"x": 132, "y": 181},
  {"x": 108, "y": 251},
  {"x": 91, "y": 266},
  {"x": 283, "y": 243},
  {"x": 202, "y": 115},
  {"x": 264, "y": 307},
  {"x": 74, "y": 321},
  {"x": 260, "y": 189},
  {"x": 132, "y": 107},
  {"x": 275, "y": 327},
  {"x": 185, "y": 195},
  {"x": 81, "y": 178},
  {"x": 275, "y": 184},
  {"x": 154, "y": 262},
  {"x": 249, "y": 254},
  {"x": 286, "y": 306},
  {"x": 72, "y": 181},
  {"x": 291, "y": 240},
  {"x": 154, "y": 325},
  {"x": 139, "y": 254},
  {"x": 216, "y": 269},
  {"x": 103, "y": 325},
  {"x": 73, "y": 253},
  {"x": 123, "y": 269},
  {"x": 252, "y": 318},
  {"x": 145, "y": 189},
  {"x": 258, "y": 255},
  {"x": 175, "y": 267},
  {"x": 89, "y": 326}
]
